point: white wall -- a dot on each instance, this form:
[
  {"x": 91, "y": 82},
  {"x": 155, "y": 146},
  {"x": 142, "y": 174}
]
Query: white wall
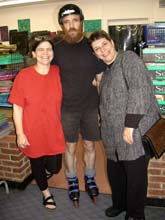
[{"x": 43, "y": 16}]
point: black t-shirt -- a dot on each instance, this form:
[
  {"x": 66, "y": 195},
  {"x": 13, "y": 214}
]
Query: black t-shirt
[{"x": 78, "y": 67}]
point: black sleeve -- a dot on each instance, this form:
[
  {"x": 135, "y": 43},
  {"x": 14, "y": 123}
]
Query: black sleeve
[{"x": 132, "y": 120}]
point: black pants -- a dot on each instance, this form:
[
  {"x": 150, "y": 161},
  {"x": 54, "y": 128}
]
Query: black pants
[
  {"x": 128, "y": 180},
  {"x": 38, "y": 165}
]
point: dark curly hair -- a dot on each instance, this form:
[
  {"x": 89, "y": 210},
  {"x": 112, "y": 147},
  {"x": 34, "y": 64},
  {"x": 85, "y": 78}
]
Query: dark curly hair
[
  {"x": 98, "y": 35},
  {"x": 37, "y": 42}
]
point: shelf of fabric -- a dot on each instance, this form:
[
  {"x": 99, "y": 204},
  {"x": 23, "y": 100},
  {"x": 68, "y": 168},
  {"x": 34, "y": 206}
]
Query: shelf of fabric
[
  {"x": 5, "y": 104},
  {"x": 159, "y": 86},
  {"x": 4, "y": 99},
  {"x": 5, "y": 126},
  {"x": 7, "y": 74},
  {"x": 158, "y": 82},
  {"x": 10, "y": 64},
  {"x": 156, "y": 70},
  {"x": 6, "y": 110},
  {"x": 162, "y": 106},
  {"x": 12, "y": 58},
  {"x": 5, "y": 86},
  {"x": 155, "y": 55},
  {"x": 161, "y": 102},
  {"x": 154, "y": 59},
  {"x": 8, "y": 48}
]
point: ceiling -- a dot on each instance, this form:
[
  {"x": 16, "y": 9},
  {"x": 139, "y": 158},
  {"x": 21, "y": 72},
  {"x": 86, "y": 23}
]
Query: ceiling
[{"x": 12, "y": 3}]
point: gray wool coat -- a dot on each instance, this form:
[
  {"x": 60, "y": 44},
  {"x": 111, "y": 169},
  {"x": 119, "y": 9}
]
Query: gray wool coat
[{"x": 126, "y": 89}]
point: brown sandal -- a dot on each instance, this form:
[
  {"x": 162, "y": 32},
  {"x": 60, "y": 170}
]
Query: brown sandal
[{"x": 46, "y": 202}]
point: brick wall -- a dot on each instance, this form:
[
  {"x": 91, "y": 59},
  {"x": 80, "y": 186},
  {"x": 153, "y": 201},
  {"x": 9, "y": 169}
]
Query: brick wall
[
  {"x": 156, "y": 178},
  {"x": 14, "y": 165}
]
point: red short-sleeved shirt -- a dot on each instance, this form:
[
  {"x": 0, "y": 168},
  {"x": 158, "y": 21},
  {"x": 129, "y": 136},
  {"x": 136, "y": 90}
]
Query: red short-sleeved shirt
[{"x": 40, "y": 97}]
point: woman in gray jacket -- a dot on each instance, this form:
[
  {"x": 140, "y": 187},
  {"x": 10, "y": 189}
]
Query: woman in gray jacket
[{"x": 128, "y": 108}]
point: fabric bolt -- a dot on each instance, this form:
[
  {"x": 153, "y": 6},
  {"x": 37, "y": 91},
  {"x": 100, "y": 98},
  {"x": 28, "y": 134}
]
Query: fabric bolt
[{"x": 42, "y": 115}]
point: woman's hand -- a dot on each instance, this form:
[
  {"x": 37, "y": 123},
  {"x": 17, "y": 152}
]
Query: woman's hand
[
  {"x": 128, "y": 135},
  {"x": 22, "y": 141}
]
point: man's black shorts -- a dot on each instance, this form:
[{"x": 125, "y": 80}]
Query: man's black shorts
[{"x": 84, "y": 122}]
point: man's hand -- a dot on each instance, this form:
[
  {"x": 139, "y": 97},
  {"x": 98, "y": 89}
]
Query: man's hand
[{"x": 96, "y": 81}]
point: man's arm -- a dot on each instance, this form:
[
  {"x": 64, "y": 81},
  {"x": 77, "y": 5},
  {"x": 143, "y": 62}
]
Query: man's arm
[{"x": 96, "y": 81}]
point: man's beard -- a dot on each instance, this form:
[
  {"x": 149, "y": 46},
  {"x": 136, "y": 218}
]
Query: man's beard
[{"x": 75, "y": 37}]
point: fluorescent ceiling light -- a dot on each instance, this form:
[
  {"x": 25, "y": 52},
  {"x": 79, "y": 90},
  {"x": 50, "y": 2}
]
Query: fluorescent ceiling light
[{"x": 16, "y": 2}]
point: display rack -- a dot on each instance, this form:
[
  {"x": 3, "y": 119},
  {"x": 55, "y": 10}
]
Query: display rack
[
  {"x": 154, "y": 34},
  {"x": 154, "y": 59},
  {"x": 10, "y": 64}
]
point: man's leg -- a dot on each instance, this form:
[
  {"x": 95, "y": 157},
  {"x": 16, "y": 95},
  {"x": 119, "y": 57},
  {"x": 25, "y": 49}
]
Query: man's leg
[
  {"x": 71, "y": 124},
  {"x": 89, "y": 157},
  {"x": 70, "y": 159},
  {"x": 90, "y": 133},
  {"x": 71, "y": 172}
]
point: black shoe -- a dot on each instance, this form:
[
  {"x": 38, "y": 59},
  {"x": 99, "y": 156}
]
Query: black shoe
[{"x": 113, "y": 212}]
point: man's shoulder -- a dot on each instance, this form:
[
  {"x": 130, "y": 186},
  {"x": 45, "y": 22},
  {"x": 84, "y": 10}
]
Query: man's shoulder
[{"x": 59, "y": 43}]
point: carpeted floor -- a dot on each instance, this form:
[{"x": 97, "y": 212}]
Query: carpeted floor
[{"x": 27, "y": 205}]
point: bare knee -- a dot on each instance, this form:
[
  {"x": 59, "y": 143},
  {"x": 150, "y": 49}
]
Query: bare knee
[
  {"x": 89, "y": 146},
  {"x": 70, "y": 149}
]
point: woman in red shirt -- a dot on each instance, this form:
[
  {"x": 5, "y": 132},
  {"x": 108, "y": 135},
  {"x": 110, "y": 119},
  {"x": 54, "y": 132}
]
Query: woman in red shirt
[{"x": 36, "y": 97}]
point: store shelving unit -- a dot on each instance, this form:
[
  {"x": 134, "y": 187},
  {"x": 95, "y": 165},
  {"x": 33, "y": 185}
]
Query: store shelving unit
[
  {"x": 156, "y": 67},
  {"x": 10, "y": 64}
]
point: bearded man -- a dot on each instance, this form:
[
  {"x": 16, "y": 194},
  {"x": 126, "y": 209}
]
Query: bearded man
[{"x": 78, "y": 68}]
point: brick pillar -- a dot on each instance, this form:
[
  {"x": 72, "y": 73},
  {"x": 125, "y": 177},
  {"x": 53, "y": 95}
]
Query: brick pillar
[
  {"x": 156, "y": 178},
  {"x": 14, "y": 165}
]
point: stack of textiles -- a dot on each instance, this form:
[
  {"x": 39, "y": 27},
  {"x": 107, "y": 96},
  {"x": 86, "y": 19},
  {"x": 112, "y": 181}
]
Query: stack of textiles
[
  {"x": 10, "y": 64},
  {"x": 154, "y": 58},
  {"x": 5, "y": 126},
  {"x": 5, "y": 85}
]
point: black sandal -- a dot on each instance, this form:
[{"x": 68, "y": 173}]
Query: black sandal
[{"x": 47, "y": 202}]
